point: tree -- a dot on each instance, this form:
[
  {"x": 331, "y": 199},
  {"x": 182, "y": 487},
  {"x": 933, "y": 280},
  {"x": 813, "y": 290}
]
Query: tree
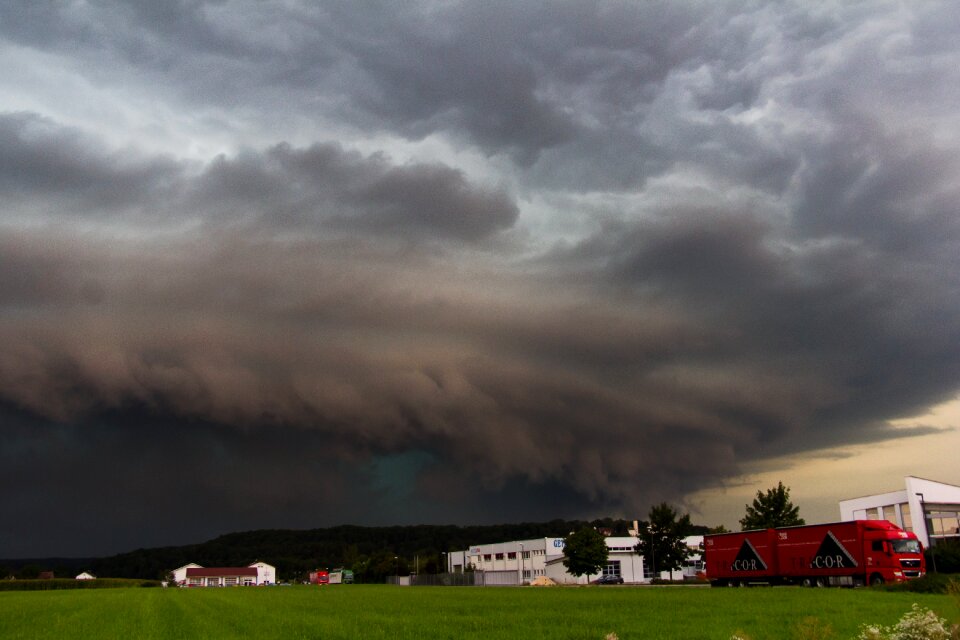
[
  {"x": 661, "y": 539},
  {"x": 585, "y": 552},
  {"x": 772, "y": 509}
]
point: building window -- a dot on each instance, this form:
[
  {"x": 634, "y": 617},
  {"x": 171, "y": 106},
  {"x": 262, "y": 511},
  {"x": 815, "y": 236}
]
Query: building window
[
  {"x": 512, "y": 555},
  {"x": 499, "y": 556},
  {"x": 905, "y": 514},
  {"x": 890, "y": 514},
  {"x": 526, "y": 555},
  {"x": 487, "y": 557},
  {"x": 612, "y": 568},
  {"x": 526, "y": 574},
  {"x": 872, "y": 514},
  {"x": 945, "y": 523}
]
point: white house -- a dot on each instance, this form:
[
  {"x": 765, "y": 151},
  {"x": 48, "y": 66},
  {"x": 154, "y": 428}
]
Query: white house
[
  {"x": 180, "y": 575},
  {"x": 928, "y": 508},
  {"x": 193, "y": 575}
]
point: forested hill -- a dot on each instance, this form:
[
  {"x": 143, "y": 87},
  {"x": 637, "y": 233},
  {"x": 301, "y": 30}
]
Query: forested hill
[
  {"x": 372, "y": 552},
  {"x": 297, "y": 552}
]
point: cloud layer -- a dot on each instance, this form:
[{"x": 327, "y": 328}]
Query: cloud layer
[{"x": 538, "y": 262}]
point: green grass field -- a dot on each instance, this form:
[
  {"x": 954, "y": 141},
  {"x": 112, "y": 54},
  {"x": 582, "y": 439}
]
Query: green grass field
[{"x": 374, "y": 611}]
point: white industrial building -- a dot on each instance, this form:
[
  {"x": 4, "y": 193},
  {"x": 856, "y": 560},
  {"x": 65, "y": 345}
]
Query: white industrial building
[
  {"x": 928, "y": 508},
  {"x": 520, "y": 561},
  {"x": 193, "y": 575}
]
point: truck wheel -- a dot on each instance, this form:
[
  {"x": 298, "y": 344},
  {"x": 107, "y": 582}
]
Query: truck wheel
[
  {"x": 821, "y": 582},
  {"x": 806, "y": 582},
  {"x": 876, "y": 580}
]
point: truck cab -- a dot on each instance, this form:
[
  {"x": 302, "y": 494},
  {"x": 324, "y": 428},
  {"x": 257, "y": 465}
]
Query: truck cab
[{"x": 891, "y": 554}]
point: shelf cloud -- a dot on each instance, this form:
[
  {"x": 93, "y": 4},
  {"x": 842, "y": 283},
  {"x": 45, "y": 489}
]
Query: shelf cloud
[{"x": 549, "y": 261}]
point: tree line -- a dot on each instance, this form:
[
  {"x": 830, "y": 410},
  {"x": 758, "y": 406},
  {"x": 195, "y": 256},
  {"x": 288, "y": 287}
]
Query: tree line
[{"x": 371, "y": 552}]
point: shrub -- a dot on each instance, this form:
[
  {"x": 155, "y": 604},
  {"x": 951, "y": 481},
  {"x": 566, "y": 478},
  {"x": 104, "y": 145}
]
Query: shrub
[
  {"x": 930, "y": 583},
  {"x": 916, "y": 624},
  {"x": 945, "y": 555},
  {"x": 57, "y": 584}
]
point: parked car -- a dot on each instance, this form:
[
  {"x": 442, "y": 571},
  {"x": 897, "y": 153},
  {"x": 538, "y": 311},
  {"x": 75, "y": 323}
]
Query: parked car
[{"x": 609, "y": 579}]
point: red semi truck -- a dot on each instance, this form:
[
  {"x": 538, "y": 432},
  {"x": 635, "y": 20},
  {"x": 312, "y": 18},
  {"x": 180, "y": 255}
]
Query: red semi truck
[{"x": 837, "y": 554}]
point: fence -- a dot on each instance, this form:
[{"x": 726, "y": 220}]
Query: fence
[{"x": 468, "y": 579}]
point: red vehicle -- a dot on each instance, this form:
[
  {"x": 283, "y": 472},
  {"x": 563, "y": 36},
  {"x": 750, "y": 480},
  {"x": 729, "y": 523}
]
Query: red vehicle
[
  {"x": 837, "y": 554},
  {"x": 319, "y": 577}
]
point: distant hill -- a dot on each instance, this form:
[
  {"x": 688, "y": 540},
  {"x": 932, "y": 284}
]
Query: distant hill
[{"x": 371, "y": 551}]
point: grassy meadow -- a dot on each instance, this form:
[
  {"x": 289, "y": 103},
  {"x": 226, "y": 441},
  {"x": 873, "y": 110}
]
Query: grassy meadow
[{"x": 382, "y": 611}]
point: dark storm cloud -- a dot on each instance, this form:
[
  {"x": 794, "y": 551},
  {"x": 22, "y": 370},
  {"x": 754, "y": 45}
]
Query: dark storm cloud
[
  {"x": 325, "y": 183},
  {"x": 728, "y": 233},
  {"x": 64, "y": 175},
  {"x": 40, "y": 159}
]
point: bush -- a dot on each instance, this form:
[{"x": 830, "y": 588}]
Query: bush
[
  {"x": 946, "y": 555},
  {"x": 931, "y": 583},
  {"x": 67, "y": 583},
  {"x": 917, "y": 624}
]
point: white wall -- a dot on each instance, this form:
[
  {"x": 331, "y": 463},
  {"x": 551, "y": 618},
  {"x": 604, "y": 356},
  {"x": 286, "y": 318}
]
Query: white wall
[
  {"x": 266, "y": 573},
  {"x": 180, "y": 575}
]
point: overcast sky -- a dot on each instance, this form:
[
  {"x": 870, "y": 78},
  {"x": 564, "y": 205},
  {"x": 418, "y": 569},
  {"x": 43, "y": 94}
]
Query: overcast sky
[{"x": 297, "y": 264}]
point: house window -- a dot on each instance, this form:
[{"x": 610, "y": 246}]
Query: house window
[
  {"x": 526, "y": 555},
  {"x": 612, "y": 568}
]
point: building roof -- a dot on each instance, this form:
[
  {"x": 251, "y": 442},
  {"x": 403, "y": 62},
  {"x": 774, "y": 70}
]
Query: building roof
[{"x": 215, "y": 572}]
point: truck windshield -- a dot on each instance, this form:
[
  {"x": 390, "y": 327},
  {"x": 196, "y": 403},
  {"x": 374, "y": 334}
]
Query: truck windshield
[{"x": 905, "y": 546}]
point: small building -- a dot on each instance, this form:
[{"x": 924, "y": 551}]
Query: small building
[
  {"x": 928, "y": 508},
  {"x": 45, "y": 575},
  {"x": 194, "y": 575},
  {"x": 86, "y": 576}
]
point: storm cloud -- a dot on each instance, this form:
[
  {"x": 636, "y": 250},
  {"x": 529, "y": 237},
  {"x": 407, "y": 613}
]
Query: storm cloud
[{"x": 303, "y": 264}]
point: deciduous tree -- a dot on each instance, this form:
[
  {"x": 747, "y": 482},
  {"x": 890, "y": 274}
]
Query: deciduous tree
[
  {"x": 661, "y": 539},
  {"x": 585, "y": 552},
  {"x": 772, "y": 509}
]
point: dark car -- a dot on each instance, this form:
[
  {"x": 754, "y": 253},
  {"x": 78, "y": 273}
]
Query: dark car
[{"x": 610, "y": 580}]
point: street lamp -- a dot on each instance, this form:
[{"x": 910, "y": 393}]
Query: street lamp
[
  {"x": 926, "y": 528},
  {"x": 396, "y": 560}
]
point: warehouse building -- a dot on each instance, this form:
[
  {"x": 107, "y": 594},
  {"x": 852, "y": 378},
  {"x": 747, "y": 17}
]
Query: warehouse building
[
  {"x": 521, "y": 561},
  {"x": 928, "y": 508}
]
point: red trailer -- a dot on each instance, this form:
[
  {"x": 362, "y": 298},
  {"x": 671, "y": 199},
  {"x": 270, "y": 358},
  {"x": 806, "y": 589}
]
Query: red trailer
[{"x": 837, "y": 554}]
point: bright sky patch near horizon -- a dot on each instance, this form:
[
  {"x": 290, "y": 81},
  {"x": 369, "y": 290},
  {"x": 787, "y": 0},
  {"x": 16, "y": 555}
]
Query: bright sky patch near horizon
[{"x": 296, "y": 264}]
